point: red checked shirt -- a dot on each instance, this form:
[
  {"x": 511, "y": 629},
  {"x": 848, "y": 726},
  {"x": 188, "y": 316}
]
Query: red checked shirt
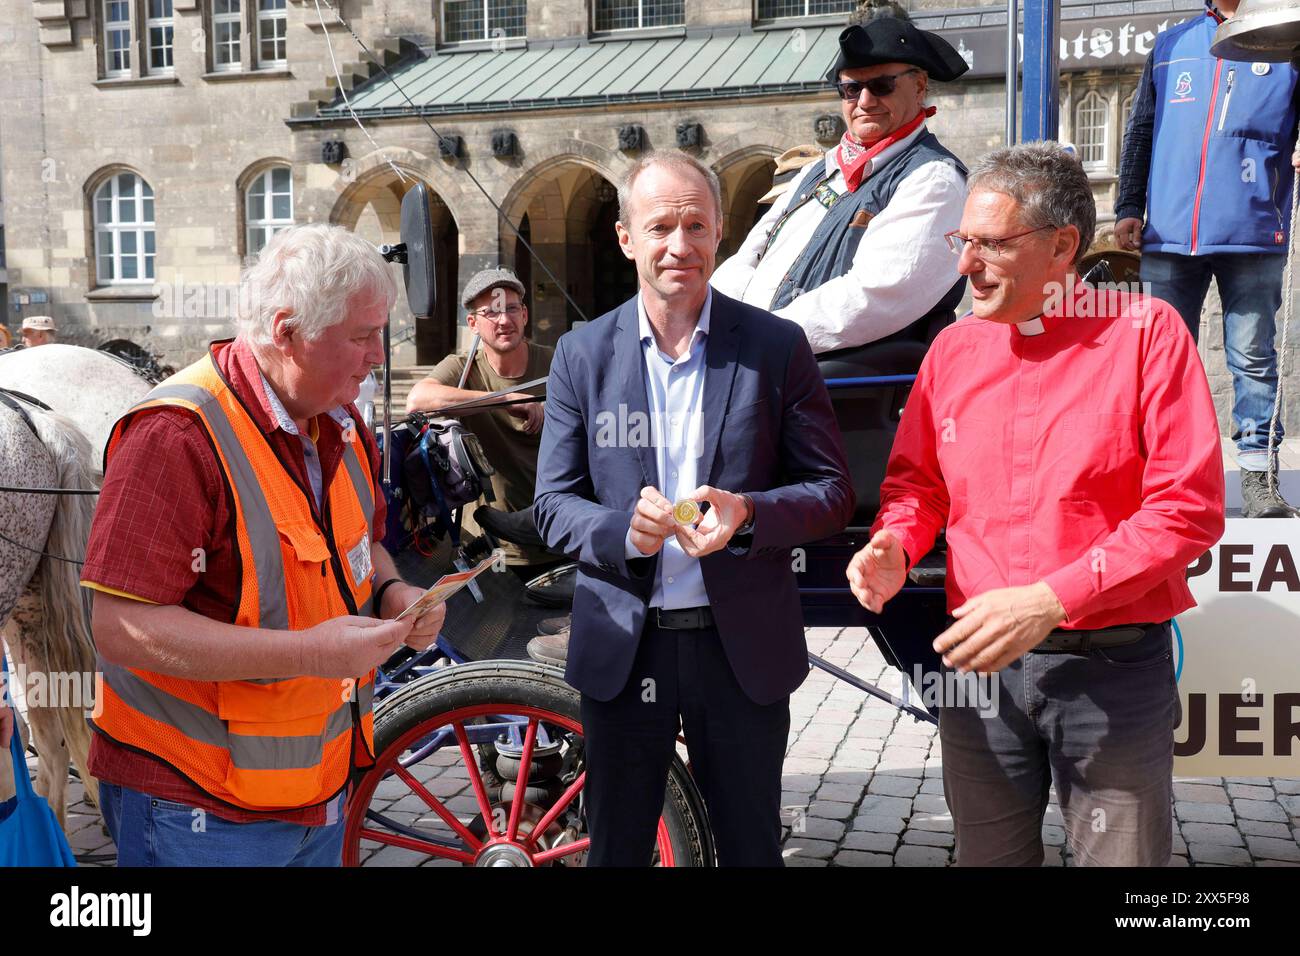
[
  {"x": 1079, "y": 451},
  {"x": 164, "y": 497}
]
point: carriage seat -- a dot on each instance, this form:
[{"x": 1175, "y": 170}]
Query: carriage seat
[
  {"x": 875, "y": 358},
  {"x": 868, "y": 414}
]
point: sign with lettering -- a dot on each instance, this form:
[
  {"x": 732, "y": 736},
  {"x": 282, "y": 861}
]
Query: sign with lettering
[
  {"x": 1238, "y": 657},
  {"x": 1089, "y": 44}
]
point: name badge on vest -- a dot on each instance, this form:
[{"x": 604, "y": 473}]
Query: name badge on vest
[
  {"x": 825, "y": 195},
  {"x": 359, "y": 560}
]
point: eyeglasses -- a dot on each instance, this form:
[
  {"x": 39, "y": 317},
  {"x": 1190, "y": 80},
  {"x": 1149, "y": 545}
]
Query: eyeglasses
[
  {"x": 985, "y": 248},
  {"x": 511, "y": 311},
  {"x": 876, "y": 86}
]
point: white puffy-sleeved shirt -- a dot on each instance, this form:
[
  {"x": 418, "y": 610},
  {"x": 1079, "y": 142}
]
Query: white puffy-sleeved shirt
[{"x": 901, "y": 270}]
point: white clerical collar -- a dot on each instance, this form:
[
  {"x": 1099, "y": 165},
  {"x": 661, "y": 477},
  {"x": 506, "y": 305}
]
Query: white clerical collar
[{"x": 1031, "y": 326}]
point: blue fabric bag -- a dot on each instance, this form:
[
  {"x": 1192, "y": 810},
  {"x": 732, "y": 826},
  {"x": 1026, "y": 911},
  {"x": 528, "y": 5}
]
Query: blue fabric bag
[{"x": 29, "y": 832}]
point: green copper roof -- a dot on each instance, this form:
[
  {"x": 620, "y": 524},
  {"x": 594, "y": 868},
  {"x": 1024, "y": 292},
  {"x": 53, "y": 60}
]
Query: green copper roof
[
  {"x": 715, "y": 65},
  {"x": 694, "y": 64}
]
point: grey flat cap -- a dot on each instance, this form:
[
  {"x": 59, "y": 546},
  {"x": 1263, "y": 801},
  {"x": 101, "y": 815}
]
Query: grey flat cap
[{"x": 481, "y": 282}]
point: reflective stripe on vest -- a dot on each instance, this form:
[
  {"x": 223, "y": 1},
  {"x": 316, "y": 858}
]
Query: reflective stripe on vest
[
  {"x": 246, "y": 752},
  {"x": 365, "y": 493},
  {"x": 267, "y": 743},
  {"x": 272, "y": 609}
]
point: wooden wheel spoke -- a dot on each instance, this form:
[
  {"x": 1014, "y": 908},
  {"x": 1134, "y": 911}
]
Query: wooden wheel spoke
[
  {"x": 475, "y": 779},
  {"x": 419, "y": 846},
  {"x": 566, "y": 849},
  {"x": 438, "y": 807},
  {"x": 521, "y": 782},
  {"x": 557, "y": 808}
]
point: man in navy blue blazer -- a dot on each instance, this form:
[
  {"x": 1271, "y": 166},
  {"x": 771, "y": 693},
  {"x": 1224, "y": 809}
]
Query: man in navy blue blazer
[{"x": 683, "y": 394}]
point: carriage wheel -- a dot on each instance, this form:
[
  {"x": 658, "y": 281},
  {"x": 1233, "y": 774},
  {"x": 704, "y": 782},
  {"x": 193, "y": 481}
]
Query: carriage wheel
[{"x": 456, "y": 746}]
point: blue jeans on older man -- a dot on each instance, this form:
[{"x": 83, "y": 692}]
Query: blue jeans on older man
[
  {"x": 150, "y": 831},
  {"x": 1250, "y": 287}
]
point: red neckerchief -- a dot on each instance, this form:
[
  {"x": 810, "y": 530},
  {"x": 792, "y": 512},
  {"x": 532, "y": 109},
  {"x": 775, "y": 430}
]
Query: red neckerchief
[
  {"x": 1212, "y": 11},
  {"x": 853, "y": 156}
]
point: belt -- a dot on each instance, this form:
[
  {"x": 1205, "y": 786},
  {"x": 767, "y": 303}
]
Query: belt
[
  {"x": 682, "y": 619},
  {"x": 1060, "y": 641}
]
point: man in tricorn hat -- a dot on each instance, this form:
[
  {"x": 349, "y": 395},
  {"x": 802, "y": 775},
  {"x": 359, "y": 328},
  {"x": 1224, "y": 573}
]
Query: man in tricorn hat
[{"x": 854, "y": 251}]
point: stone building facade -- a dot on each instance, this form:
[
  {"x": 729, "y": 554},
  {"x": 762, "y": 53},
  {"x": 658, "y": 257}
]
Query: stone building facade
[{"x": 151, "y": 146}]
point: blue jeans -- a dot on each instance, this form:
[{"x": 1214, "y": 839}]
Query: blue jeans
[
  {"x": 1250, "y": 285},
  {"x": 153, "y": 832}
]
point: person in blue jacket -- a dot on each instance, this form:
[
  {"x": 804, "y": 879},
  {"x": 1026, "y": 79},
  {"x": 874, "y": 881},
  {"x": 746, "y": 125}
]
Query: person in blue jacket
[{"x": 1205, "y": 158}]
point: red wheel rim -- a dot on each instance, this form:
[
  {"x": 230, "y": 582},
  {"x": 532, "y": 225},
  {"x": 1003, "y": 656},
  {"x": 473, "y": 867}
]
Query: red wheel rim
[{"x": 507, "y": 840}]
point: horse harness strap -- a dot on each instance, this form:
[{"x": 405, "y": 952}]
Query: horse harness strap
[{"x": 16, "y": 400}]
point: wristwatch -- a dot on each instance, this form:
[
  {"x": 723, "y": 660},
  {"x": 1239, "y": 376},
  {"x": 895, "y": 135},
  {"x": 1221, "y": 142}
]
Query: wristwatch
[{"x": 748, "y": 526}]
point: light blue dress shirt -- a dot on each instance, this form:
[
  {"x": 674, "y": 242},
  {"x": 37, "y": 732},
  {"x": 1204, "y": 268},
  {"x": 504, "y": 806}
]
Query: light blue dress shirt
[
  {"x": 310, "y": 454},
  {"x": 675, "y": 397}
]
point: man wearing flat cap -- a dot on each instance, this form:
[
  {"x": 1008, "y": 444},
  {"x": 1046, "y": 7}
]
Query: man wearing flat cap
[
  {"x": 512, "y": 434},
  {"x": 854, "y": 251}
]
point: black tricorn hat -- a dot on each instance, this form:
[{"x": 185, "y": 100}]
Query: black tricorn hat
[{"x": 891, "y": 40}]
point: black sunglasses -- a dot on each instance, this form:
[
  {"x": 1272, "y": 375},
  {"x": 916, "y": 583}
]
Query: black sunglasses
[{"x": 877, "y": 85}]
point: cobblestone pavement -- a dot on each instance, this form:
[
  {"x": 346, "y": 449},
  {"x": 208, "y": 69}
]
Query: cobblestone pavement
[{"x": 863, "y": 787}]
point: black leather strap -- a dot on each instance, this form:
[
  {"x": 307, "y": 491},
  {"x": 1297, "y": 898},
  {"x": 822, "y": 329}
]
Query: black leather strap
[
  {"x": 378, "y": 603},
  {"x": 682, "y": 619},
  {"x": 1061, "y": 641}
]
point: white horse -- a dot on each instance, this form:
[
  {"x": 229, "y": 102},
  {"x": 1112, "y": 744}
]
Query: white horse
[
  {"x": 92, "y": 388},
  {"x": 43, "y": 539}
]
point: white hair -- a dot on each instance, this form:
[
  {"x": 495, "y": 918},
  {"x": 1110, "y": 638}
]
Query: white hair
[{"x": 314, "y": 271}]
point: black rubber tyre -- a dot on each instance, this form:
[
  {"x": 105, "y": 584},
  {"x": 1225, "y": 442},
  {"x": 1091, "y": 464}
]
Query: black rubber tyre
[{"x": 530, "y": 684}]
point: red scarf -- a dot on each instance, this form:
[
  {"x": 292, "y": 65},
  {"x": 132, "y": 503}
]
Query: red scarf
[{"x": 853, "y": 156}]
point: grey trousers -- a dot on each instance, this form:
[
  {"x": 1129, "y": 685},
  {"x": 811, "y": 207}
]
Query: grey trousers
[{"x": 1100, "y": 725}]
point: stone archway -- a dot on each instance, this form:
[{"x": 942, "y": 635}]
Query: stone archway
[
  {"x": 372, "y": 208},
  {"x": 745, "y": 176},
  {"x": 565, "y": 208}
]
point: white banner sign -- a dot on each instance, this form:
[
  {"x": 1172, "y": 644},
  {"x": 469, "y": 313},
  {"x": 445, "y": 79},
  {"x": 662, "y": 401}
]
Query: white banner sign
[{"x": 1238, "y": 657}]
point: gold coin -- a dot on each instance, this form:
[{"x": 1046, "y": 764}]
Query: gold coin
[{"x": 686, "y": 511}]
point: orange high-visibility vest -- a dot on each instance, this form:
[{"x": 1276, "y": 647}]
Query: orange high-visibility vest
[{"x": 270, "y": 743}]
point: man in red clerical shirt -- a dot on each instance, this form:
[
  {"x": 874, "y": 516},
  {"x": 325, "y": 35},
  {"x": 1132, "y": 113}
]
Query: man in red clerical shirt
[{"x": 1066, "y": 438}]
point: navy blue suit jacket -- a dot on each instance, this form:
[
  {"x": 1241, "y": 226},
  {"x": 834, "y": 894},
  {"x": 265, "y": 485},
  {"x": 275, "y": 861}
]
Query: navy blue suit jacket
[{"x": 768, "y": 431}]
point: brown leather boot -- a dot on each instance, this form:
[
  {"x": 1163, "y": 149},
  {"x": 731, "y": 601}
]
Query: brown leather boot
[
  {"x": 554, "y": 625},
  {"x": 550, "y": 648}
]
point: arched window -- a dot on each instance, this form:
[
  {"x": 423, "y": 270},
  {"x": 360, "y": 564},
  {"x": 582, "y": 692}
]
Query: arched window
[
  {"x": 1125, "y": 110},
  {"x": 1092, "y": 129},
  {"x": 268, "y": 208},
  {"x": 124, "y": 230}
]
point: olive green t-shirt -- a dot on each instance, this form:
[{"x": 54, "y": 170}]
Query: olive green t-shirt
[{"x": 511, "y": 451}]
